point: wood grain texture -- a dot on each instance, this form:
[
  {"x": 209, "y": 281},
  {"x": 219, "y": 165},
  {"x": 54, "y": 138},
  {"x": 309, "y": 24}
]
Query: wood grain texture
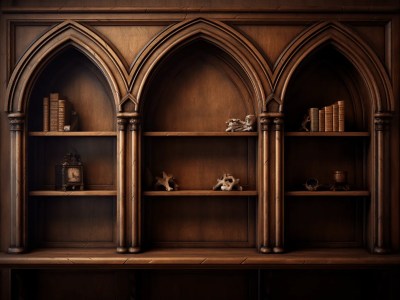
[
  {"x": 199, "y": 193},
  {"x": 73, "y": 193},
  {"x": 239, "y": 257},
  {"x": 200, "y": 221},
  {"x": 196, "y": 163}
]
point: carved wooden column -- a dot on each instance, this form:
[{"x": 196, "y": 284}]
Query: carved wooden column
[
  {"x": 121, "y": 192},
  {"x": 17, "y": 180},
  {"x": 278, "y": 128},
  {"x": 265, "y": 192},
  {"x": 382, "y": 122},
  {"x": 135, "y": 201}
]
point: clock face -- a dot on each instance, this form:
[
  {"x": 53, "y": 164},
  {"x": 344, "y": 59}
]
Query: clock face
[{"x": 74, "y": 175}]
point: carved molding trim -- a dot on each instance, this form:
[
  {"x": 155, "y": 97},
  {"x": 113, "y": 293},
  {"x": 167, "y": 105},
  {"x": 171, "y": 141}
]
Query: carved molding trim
[{"x": 131, "y": 119}]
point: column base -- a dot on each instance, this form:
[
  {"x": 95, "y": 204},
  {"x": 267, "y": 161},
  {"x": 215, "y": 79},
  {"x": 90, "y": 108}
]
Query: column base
[
  {"x": 380, "y": 250},
  {"x": 134, "y": 249},
  {"x": 16, "y": 250},
  {"x": 278, "y": 250},
  {"x": 122, "y": 250},
  {"x": 265, "y": 250}
]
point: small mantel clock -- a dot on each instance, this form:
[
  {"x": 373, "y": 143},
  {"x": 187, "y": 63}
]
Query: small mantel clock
[{"x": 69, "y": 173}]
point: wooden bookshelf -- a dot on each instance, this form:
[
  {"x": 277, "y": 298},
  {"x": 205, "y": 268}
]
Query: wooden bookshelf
[{"x": 152, "y": 89}]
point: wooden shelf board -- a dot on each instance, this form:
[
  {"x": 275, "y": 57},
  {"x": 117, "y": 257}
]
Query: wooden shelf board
[
  {"x": 201, "y": 258},
  {"x": 73, "y": 193},
  {"x": 72, "y": 133},
  {"x": 328, "y": 134},
  {"x": 198, "y": 134},
  {"x": 199, "y": 193},
  {"x": 328, "y": 193}
]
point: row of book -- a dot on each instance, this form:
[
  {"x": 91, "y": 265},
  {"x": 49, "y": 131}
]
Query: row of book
[
  {"x": 58, "y": 114},
  {"x": 328, "y": 118}
]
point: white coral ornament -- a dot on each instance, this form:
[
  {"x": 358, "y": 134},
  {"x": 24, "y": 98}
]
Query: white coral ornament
[
  {"x": 238, "y": 125},
  {"x": 227, "y": 183},
  {"x": 167, "y": 182}
]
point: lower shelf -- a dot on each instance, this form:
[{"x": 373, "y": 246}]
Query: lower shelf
[
  {"x": 199, "y": 193},
  {"x": 73, "y": 193},
  {"x": 328, "y": 193},
  {"x": 201, "y": 258}
]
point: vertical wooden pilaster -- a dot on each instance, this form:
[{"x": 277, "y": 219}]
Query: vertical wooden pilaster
[
  {"x": 265, "y": 192},
  {"x": 121, "y": 191},
  {"x": 381, "y": 222},
  {"x": 135, "y": 201},
  {"x": 17, "y": 179},
  {"x": 278, "y": 128}
]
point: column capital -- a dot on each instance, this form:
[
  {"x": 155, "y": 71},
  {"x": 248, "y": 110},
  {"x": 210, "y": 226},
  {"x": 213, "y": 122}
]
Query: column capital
[
  {"x": 17, "y": 121},
  {"x": 382, "y": 120},
  {"x": 121, "y": 124},
  {"x": 134, "y": 123},
  {"x": 264, "y": 123},
  {"x": 278, "y": 123}
]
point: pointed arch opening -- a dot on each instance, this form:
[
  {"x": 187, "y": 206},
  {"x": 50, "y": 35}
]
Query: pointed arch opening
[
  {"x": 359, "y": 58},
  {"x": 193, "y": 86},
  {"x": 321, "y": 79},
  {"x": 77, "y": 79},
  {"x": 216, "y": 39},
  {"x": 326, "y": 64},
  {"x": 67, "y": 37},
  {"x": 192, "y": 83}
]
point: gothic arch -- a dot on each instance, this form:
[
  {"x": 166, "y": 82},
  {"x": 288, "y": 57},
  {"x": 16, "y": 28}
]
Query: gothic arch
[
  {"x": 66, "y": 34},
  {"x": 353, "y": 48},
  {"x": 254, "y": 69}
]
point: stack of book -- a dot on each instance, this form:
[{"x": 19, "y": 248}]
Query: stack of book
[
  {"x": 328, "y": 118},
  {"x": 57, "y": 114}
]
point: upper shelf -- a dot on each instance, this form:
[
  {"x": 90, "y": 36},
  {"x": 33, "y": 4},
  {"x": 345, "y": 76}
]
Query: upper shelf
[
  {"x": 199, "y": 134},
  {"x": 72, "y": 133},
  {"x": 328, "y": 133}
]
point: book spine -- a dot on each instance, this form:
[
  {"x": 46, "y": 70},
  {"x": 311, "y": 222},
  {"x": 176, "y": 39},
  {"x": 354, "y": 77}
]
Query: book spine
[
  {"x": 313, "y": 119},
  {"x": 61, "y": 115},
  {"x": 54, "y": 96},
  {"x": 335, "y": 117},
  {"x": 46, "y": 112},
  {"x": 321, "y": 115},
  {"x": 53, "y": 115},
  {"x": 341, "y": 115},
  {"x": 328, "y": 118}
]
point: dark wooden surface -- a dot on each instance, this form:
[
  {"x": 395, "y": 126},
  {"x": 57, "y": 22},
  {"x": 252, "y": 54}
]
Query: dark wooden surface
[
  {"x": 203, "y": 258},
  {"x": 189, "y": 91}
]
